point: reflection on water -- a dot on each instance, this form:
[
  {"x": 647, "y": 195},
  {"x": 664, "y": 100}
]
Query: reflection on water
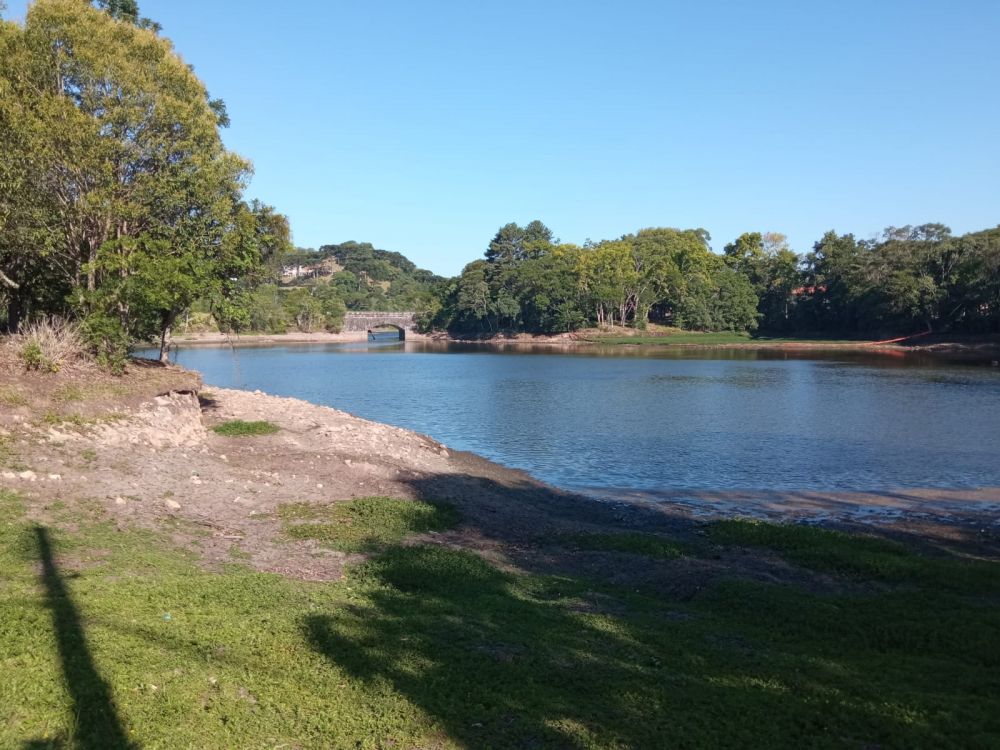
[{"x": 658, "y": 420}]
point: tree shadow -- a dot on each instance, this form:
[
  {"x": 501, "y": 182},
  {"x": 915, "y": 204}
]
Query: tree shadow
[
  {"x": 497, "y": 660},
  {"x": 96, "y": 723},
  {"x": 450, "y": 633},
  {"x": 584, "y": 648}
]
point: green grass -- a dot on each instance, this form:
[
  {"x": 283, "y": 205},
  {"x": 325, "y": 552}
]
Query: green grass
[
  {"x": 858, "y": 557},
  {"x": 647, "y": 545},
  {"x": 239, "y": 428},
  {"x": 365, "y": 524},
  {"x": 110, "y": 638}
]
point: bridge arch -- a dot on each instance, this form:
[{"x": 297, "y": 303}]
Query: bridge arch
[{"x": 367, "y": 321}]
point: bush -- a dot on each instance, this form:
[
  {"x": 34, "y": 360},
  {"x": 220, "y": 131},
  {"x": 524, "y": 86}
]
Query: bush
[
  {"x": 108, "y": 341},
  {"x": 49, "y": 344}
]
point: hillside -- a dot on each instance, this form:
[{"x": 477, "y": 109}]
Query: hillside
[{"x": 365, "y": 277}]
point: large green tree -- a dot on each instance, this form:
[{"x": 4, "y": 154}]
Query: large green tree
[{"x": 120, "y": 198}]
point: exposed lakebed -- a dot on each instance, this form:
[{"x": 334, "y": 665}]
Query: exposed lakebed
[{"x": 655, "y": 420}]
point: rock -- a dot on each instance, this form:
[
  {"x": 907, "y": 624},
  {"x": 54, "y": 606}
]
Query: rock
[
  {"x": 9, "y": 475},
  {"x": 172, "y": 504},
  {"x": 120, "y": 500},
  {"x": 54, "y": 477},
  {"x": 28, "y": 476}
]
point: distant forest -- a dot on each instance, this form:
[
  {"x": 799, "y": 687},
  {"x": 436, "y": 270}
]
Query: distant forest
[{"x": 910, "y": 279}]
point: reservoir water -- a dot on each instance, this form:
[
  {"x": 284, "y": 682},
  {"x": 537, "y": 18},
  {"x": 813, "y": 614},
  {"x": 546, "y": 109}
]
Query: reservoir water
[{"x": 655, "y": 420}]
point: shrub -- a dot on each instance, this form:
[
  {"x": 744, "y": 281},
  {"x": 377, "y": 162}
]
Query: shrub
[
  {"x": 49, "y": 344},
  {"x": 109, "y": 342}
]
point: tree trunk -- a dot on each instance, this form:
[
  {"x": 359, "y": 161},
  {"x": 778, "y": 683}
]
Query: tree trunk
[
  {"x": 15, "y": 313},
  {"x": 168, "y": 323}
]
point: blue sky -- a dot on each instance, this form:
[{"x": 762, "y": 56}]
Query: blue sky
[{"x": 422, "y": 127}]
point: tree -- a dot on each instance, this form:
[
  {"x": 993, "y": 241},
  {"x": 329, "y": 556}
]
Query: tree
[
  {"x": 474, "y": 303},
  {"x": 331, "y": 306},
  {"x": 747, "y": 256},
  {"x": 120, "y": 190},
  {"x": 771, "y": 267},
  {"x": 548, "y": 287},
  {"x": 121, "y": 10},
  {"x": 304, "y": 309}
]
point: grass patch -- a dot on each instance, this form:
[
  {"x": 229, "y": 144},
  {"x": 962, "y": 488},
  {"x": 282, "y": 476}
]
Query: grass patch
[
  {"x": 78, "y": 420},
  {"x": 858, "y": 557},
  {"x": 648, "y": 545},
  {"x": 69, "y": 392},
  {"x": 365, "y": 524},
  {"x": 10, "y": 397},
  {"x": 239, "y": 428},
  {"x": 113, "y": 638}
]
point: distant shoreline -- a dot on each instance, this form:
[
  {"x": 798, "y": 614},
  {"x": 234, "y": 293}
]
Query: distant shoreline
[
  {"x": 986, "y": 347},
  {"x": 213, "y": 338}
]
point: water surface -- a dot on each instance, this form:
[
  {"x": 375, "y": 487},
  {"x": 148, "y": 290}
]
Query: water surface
[{"x": 655, "y": 420}]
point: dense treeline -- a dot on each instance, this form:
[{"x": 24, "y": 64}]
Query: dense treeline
[
  {"x": 911, "y": 279},
  {"x": 119, "y": 204},
  {"x": 914, "y": 278}
]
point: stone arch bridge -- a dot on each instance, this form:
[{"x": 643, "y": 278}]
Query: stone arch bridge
[{"x": 362, "y": 322}]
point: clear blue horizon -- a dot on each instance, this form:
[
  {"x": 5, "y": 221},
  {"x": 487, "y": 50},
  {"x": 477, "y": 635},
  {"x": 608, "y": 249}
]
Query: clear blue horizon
[{"x": 422, "y": 128}]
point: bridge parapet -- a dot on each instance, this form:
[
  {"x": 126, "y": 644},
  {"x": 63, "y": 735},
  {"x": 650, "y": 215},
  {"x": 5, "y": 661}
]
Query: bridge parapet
[{"x": 366, "y": 321}]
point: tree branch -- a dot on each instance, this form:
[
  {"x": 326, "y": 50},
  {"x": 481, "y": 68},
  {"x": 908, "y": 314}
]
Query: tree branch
[{"x": 7, "y": 281}]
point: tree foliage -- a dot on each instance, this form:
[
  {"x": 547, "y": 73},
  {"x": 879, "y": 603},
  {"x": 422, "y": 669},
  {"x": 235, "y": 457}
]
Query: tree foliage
[
  {"x": 912, "y": 278},
  {"x": 120, "y": 203}
]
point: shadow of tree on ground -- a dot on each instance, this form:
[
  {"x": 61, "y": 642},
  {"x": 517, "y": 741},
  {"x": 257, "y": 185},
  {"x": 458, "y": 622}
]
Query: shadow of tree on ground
[
  {"x": 504, "y": 660},
  {"x": 96, "y": 724}
]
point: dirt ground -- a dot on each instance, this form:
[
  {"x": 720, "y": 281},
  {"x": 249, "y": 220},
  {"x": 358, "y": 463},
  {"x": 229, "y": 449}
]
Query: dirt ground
[{"x": 140, "y": 449}]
